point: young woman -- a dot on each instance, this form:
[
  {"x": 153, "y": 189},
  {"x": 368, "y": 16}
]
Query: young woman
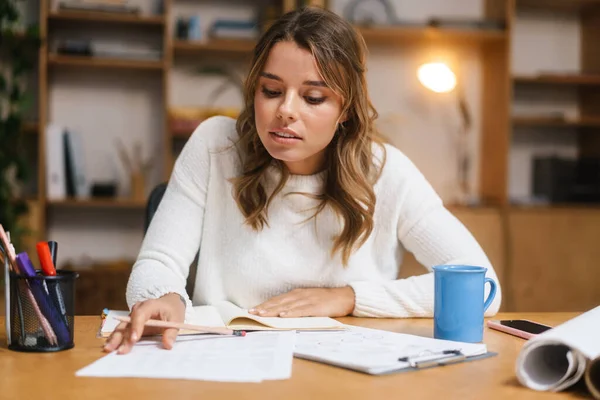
[{"x": 296, "y": 209}]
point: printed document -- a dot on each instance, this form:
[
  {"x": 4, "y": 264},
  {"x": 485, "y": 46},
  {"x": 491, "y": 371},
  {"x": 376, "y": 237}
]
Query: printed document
[{"x": 252, "y": 358}]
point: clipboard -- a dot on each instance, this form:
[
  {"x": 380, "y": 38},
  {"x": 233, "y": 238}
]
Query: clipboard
[{"x": 377, "y": 352}]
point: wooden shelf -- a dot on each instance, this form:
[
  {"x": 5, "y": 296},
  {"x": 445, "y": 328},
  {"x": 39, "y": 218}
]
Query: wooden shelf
[
  {"x": 559, "y": 5},
  {"x": 98, "y": 203},
  {"x": 90, "y": 16},
  {"x": 100, "y": 62},
  {"x": 400, "y": 34},
  {"x": 236, "y": 46},
  {"x": 587, "y": 122},
  {"x": 568, "y": 79},
  {"x": 555, "y": 206}
]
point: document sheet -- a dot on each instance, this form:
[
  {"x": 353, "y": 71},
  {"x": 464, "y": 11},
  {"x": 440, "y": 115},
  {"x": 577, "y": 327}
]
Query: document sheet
[{"x": 255, "y": 357}]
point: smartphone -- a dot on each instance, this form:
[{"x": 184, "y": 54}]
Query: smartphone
[{"x": 519, "y": 327}]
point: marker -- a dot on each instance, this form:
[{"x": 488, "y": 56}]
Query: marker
[
  {"x": 53, "y": 246},
  {"x": 46, "y": 262}
]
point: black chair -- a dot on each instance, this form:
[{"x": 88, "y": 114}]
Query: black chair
[{"x": 154, "y": 199}]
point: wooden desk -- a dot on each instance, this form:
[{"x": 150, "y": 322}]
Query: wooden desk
[{"x": 45, "y": 376}]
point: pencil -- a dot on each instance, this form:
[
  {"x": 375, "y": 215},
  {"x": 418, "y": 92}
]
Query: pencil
[{"x": 190, "y": 327}]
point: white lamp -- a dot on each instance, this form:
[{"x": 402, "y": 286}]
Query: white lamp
[{"x": 437, "y": 77}]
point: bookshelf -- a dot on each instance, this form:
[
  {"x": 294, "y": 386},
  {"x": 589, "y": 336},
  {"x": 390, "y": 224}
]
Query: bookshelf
[
  {"x": 235, "y": 46},
  {"x": 88, "y": 16},
  {"x": 407, "y": 35},
  {"x": 592, "y": 122},
  {"x": 103, "y": 62},
  {"x": 116, "y": 203},
  {"x": 567, "y": 79}
]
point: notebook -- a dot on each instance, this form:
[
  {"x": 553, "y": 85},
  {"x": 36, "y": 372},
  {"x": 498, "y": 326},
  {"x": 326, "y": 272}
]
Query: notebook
[
  {"x": 378, "y": 352},
  {"x": 227, "y": 314}
]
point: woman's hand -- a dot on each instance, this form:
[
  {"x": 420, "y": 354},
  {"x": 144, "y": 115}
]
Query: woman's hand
[
  {"x": 166, "y": 308},
  {"x": 315, "y": 302}
]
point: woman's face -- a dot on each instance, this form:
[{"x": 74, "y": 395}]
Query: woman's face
[{"x": 296, "y": 113}]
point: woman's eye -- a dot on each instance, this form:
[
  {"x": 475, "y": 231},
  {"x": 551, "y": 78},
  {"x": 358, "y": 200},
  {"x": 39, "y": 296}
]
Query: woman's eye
[
  {"x": 314, "y": 100},
  {"x": 270, "y": 93}
]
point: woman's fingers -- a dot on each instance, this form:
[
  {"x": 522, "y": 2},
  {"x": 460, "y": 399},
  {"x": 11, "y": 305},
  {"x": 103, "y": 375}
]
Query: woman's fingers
[
  {"x": 115, "y": 339},
  {"x": 277, "y": 304},
  {"x": 169, "y": 337}
]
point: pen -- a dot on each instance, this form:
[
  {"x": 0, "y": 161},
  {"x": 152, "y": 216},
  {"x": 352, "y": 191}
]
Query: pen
[
  {"x": 53, "y": 246},
  {"x": 177, "y": 325},
  {"x": 47, "y": 264},
  {"x": 438, "y": 358}
]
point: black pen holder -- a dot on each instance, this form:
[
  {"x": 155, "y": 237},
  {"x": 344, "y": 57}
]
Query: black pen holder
[{"x": 42, "y": 312}]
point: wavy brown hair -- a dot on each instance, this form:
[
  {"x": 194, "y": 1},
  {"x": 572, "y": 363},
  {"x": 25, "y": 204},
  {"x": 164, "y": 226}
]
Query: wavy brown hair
[{"x": 352, "y": 170}]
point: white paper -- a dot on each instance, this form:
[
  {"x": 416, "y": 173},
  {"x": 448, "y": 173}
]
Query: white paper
[
  {"x": 373, "y": 351},
  {"x": 110, "y": 323},
  {"x": 558, "y": 358},
  {"x": 206, "y": 316},
  {"x": 255, "y": 357}
]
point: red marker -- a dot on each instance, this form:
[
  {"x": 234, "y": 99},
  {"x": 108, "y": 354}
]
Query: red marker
[{"x": 45, "y": 259}]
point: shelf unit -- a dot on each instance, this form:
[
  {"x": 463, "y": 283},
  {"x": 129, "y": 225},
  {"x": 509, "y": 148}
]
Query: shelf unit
[
  {"x": 591, "y": 122},
  {"x": 103, "y": 62},
  {"x": 570, "y": 79},
  {"x": 235, "y": 46},
  {"x": 89, "y": 16},
  {"x": 406, "y": 35},
  {"x": 48, "y": 61},
  {"x": 584, "y": 129}
]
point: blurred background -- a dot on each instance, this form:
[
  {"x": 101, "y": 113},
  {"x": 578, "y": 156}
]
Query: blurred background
[{"x": 496, "y": 101}]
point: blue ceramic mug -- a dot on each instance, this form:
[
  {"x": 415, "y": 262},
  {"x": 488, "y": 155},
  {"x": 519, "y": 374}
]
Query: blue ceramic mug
[{"x": 458, "y": 304}]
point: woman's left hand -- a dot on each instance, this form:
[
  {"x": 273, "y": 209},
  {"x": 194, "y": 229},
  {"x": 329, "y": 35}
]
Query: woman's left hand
[{"x": 313, "y": 302}]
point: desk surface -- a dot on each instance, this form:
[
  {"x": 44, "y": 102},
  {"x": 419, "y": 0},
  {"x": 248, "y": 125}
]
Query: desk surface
[{"x": 43, "y": 376}]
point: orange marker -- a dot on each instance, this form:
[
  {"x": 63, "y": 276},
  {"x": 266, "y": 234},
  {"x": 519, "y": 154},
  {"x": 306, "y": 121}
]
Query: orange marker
[{"x": 45, "y": 259}]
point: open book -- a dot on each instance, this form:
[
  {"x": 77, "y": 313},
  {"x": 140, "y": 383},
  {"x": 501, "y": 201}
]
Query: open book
[
  {"x": 226, "y": 314},
  {"x": 560, "y": 357}
]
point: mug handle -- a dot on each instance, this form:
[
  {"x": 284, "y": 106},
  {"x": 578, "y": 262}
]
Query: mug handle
[{"x": 492, "y": 294}]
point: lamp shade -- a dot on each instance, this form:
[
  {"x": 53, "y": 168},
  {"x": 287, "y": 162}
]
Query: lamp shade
[{"x": 437, "y": 77}]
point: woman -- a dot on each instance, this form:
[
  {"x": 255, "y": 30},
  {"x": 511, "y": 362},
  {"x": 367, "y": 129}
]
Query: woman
[{"x": 296, "y": 209}]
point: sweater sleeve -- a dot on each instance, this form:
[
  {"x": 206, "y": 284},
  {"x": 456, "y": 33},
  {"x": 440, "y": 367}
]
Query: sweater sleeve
[
  {"x": 435, "y": 236},
  {"x": 173, "y": 237}
]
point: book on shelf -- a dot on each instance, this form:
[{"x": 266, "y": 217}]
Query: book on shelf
[
  {"x": 65, "y": 166},
  {"x": 118, "y": 7}
]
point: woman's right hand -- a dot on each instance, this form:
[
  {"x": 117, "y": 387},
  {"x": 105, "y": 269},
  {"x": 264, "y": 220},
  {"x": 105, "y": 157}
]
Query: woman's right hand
[{"x": 169, "y": 307}]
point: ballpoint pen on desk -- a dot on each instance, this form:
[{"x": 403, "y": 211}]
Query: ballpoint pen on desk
[
  {"x": 47, "y": 307},
  {"x": 434, "y": 359},
  {"x": 177, "y": 325}
]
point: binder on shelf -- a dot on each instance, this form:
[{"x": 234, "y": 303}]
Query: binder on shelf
[
  {"x": 76, "y": 181},
  {"x": 56, "y": 185}
]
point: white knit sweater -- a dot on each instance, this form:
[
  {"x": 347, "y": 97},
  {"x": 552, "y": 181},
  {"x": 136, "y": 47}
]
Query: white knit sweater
[{"x": 247, "y": 267}]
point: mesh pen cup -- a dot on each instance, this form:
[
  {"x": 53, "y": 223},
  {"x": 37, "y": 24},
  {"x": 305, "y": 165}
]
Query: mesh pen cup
[{"x": 42, "y": 312}]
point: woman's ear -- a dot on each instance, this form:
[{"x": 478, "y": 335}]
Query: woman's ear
[{"x": 343, "y": 118}]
